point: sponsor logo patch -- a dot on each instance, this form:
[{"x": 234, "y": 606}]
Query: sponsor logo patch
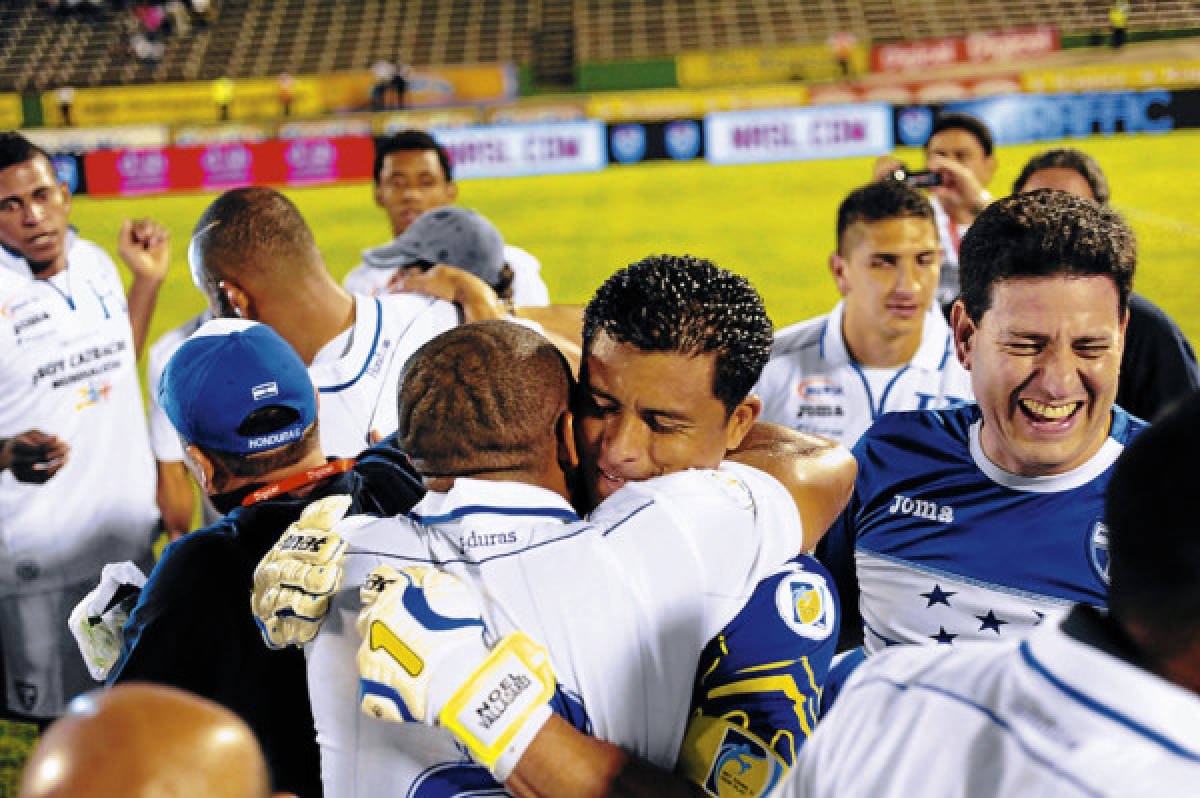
[
  {"x": 806, "y": 605},
  {"x": 742, "y": 767}
]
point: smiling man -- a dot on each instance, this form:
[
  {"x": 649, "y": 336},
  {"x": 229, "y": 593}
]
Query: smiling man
[
  {"x": 879, "y": 350},
  {"x": 978, "y": 521}
]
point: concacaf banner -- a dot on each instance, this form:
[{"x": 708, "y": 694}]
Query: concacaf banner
[{"x": 807, "y": 62}]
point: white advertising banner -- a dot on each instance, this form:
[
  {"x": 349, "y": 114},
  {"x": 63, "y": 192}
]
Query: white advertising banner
[
  {"x": 798, "y": 134},
  {"x": 530, "y": 149}
]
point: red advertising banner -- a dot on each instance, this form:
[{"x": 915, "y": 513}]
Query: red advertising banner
[
  {"x": 1009, "y": 45},
  {"x": 223, "y": 165},
  {"x": 917, "y": 92}
]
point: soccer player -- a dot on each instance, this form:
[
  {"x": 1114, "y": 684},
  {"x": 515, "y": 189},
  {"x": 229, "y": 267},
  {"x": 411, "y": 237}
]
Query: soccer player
[
  {"x": 174, "y": 495},
  {"x": 1101, "y": 704},
  {"x": 76, "y": 475},
  {"x": 960, "y": 152},
  {"x": 143, "y": 740},
  {"x": 484, "y": 416},
  {"x": 246, "y": 412},
  {"x": 413, "y": 175},
  {"x": 668, "y": 390},
  {"x": 978, "y": 521},
  {"x": 254, "y": 257},
  {"x": 880, "y": 349},
  {"x": 1159, "y": 364}
]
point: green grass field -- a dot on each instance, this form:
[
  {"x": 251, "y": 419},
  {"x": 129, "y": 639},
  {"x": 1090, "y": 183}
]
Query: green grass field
[{"x": 770, "y": 222}]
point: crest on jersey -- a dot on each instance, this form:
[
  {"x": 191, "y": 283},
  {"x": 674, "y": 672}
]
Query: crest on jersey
[
  {"x": 742, "y": 767},
  {"x": 1098, "y": 550},
  {"x": 806, "y": 605}
]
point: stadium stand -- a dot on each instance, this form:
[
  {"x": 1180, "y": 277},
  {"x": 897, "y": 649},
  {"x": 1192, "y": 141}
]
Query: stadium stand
[{"x": 258, "y": 38}]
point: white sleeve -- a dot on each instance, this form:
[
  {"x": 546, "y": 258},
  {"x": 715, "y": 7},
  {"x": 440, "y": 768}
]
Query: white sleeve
[
  {"x": 367, "y": 280},
  {"x": 164, "y": 441},
  {"x": 720, "y": 530},
  {"x": 528, "y": 287}
]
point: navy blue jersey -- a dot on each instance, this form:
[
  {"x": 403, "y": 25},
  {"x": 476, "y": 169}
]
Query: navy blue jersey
[
  {"x": 758, "y": 683},
  {"x": 938, "y": 545}
]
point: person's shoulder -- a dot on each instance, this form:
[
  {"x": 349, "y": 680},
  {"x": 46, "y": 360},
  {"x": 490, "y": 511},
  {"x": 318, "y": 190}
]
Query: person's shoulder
[
  {"x": 197, "y": 557},
  {"x": 81, "y": 252},
  {"x": 1125, "y": 426},
  {"x": 923, "y": 426},
  {"x": 367, "y": 280},
  {"x": 404, "y": 309},
  {"x": 799, "y": 337},
  {"x": 166, "y": 344},
  {"x": 519, "y": 259}
]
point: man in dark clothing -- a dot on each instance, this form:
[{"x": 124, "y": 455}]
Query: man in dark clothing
[{"x": 245, "y": 408}]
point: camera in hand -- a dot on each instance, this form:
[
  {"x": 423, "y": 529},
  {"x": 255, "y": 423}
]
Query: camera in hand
[{"x": 923, "y": 179}]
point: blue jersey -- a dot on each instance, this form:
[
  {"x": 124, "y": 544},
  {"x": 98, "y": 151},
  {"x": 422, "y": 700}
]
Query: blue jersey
[
  {"x": 758, "y": 683},
  {"x": 938, "y": 545}
]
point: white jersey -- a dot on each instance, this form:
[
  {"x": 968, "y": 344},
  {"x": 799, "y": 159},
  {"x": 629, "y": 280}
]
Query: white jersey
[
  {"x": 811, "y": 383},
  {"x": 1055, "y": 715},
  {"x": 528, "y": 287},
  {"x": 164, "y": 441},
  {"x": 358, "y": 372},
  {"x": 624, "y": 601},
  {"x": 949, "y": 236},
  {"x": 69, "y": 368}
]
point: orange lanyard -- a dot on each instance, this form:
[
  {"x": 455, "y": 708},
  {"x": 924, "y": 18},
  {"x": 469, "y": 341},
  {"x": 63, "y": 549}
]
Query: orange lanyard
[{"x": 289, "y": 484}]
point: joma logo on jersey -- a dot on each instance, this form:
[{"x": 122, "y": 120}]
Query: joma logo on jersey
[
  {"x": 820, "y": 411},
  {"x": 921, "y": 508}
]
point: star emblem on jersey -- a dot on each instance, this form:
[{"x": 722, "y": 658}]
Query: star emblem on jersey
[
  {"x": 938, "y": 596},
  {"x": 944, "y": 637},
  {"x": 990, "y": 621}
]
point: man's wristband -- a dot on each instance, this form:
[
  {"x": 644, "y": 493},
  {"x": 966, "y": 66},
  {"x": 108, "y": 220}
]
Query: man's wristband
[{"x": 499, "y": 711}]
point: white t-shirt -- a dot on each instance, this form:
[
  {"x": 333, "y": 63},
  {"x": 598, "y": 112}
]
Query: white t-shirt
[
  {"x": 68, "y": 368},
  {"x": 358, "y": 372},
  {"x": 528, "y": 287},
  {"x": 164, "y": 441},
  {"x": 624, "y": 602},
  {"x": 812, "y": 384},
  {"x": 1047, "y": 716}
]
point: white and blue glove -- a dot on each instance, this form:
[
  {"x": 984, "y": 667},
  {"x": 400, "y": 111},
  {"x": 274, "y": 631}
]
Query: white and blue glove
[
  {"x": 425, "y": 657},
  {"x": 295, "y": 581}
]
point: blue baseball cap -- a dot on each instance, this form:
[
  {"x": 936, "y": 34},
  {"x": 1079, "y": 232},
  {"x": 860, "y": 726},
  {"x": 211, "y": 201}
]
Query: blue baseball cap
[{"x": 225, "y": 371}]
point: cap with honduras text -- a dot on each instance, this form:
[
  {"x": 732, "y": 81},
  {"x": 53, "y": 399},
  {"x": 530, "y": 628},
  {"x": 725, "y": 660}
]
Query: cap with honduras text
[
  {"x": 450, "y": 235},
  {"x": 225, "y": 371}
]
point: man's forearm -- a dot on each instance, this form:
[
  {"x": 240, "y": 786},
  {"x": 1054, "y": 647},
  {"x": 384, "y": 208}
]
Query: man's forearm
[
  {"x": 817, "y": 471},
  {"x": 565, "y": 763},
  {"x": 141, "y": 299}
]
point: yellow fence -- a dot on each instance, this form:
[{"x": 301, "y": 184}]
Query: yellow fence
[
  {"x": 1164, "y": 75},
  {"x": 813, "y": 62}
]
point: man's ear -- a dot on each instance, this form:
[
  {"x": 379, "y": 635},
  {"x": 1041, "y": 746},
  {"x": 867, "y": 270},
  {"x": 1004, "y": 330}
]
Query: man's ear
[
  {"x": 989, "y": 170},
  {"x": 452, "y": 190},
  {"x": 837, "y": 267},
  {"x": 239, "y": 303},
  {"x": 379, "y": 194},
  {"x": 201, "y": 467},
  {"x": 964, "y": 333},
  {"x": 741, "y": 420},
  {"x": 568, "y": 451}
]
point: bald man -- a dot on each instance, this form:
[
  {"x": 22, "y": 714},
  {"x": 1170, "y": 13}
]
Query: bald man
[{"x": 142, "y": 740}]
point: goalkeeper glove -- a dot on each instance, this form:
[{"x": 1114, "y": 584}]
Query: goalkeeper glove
[
  {"x": 424, "y": 657},
  {"x": 295, "y": 581}
]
